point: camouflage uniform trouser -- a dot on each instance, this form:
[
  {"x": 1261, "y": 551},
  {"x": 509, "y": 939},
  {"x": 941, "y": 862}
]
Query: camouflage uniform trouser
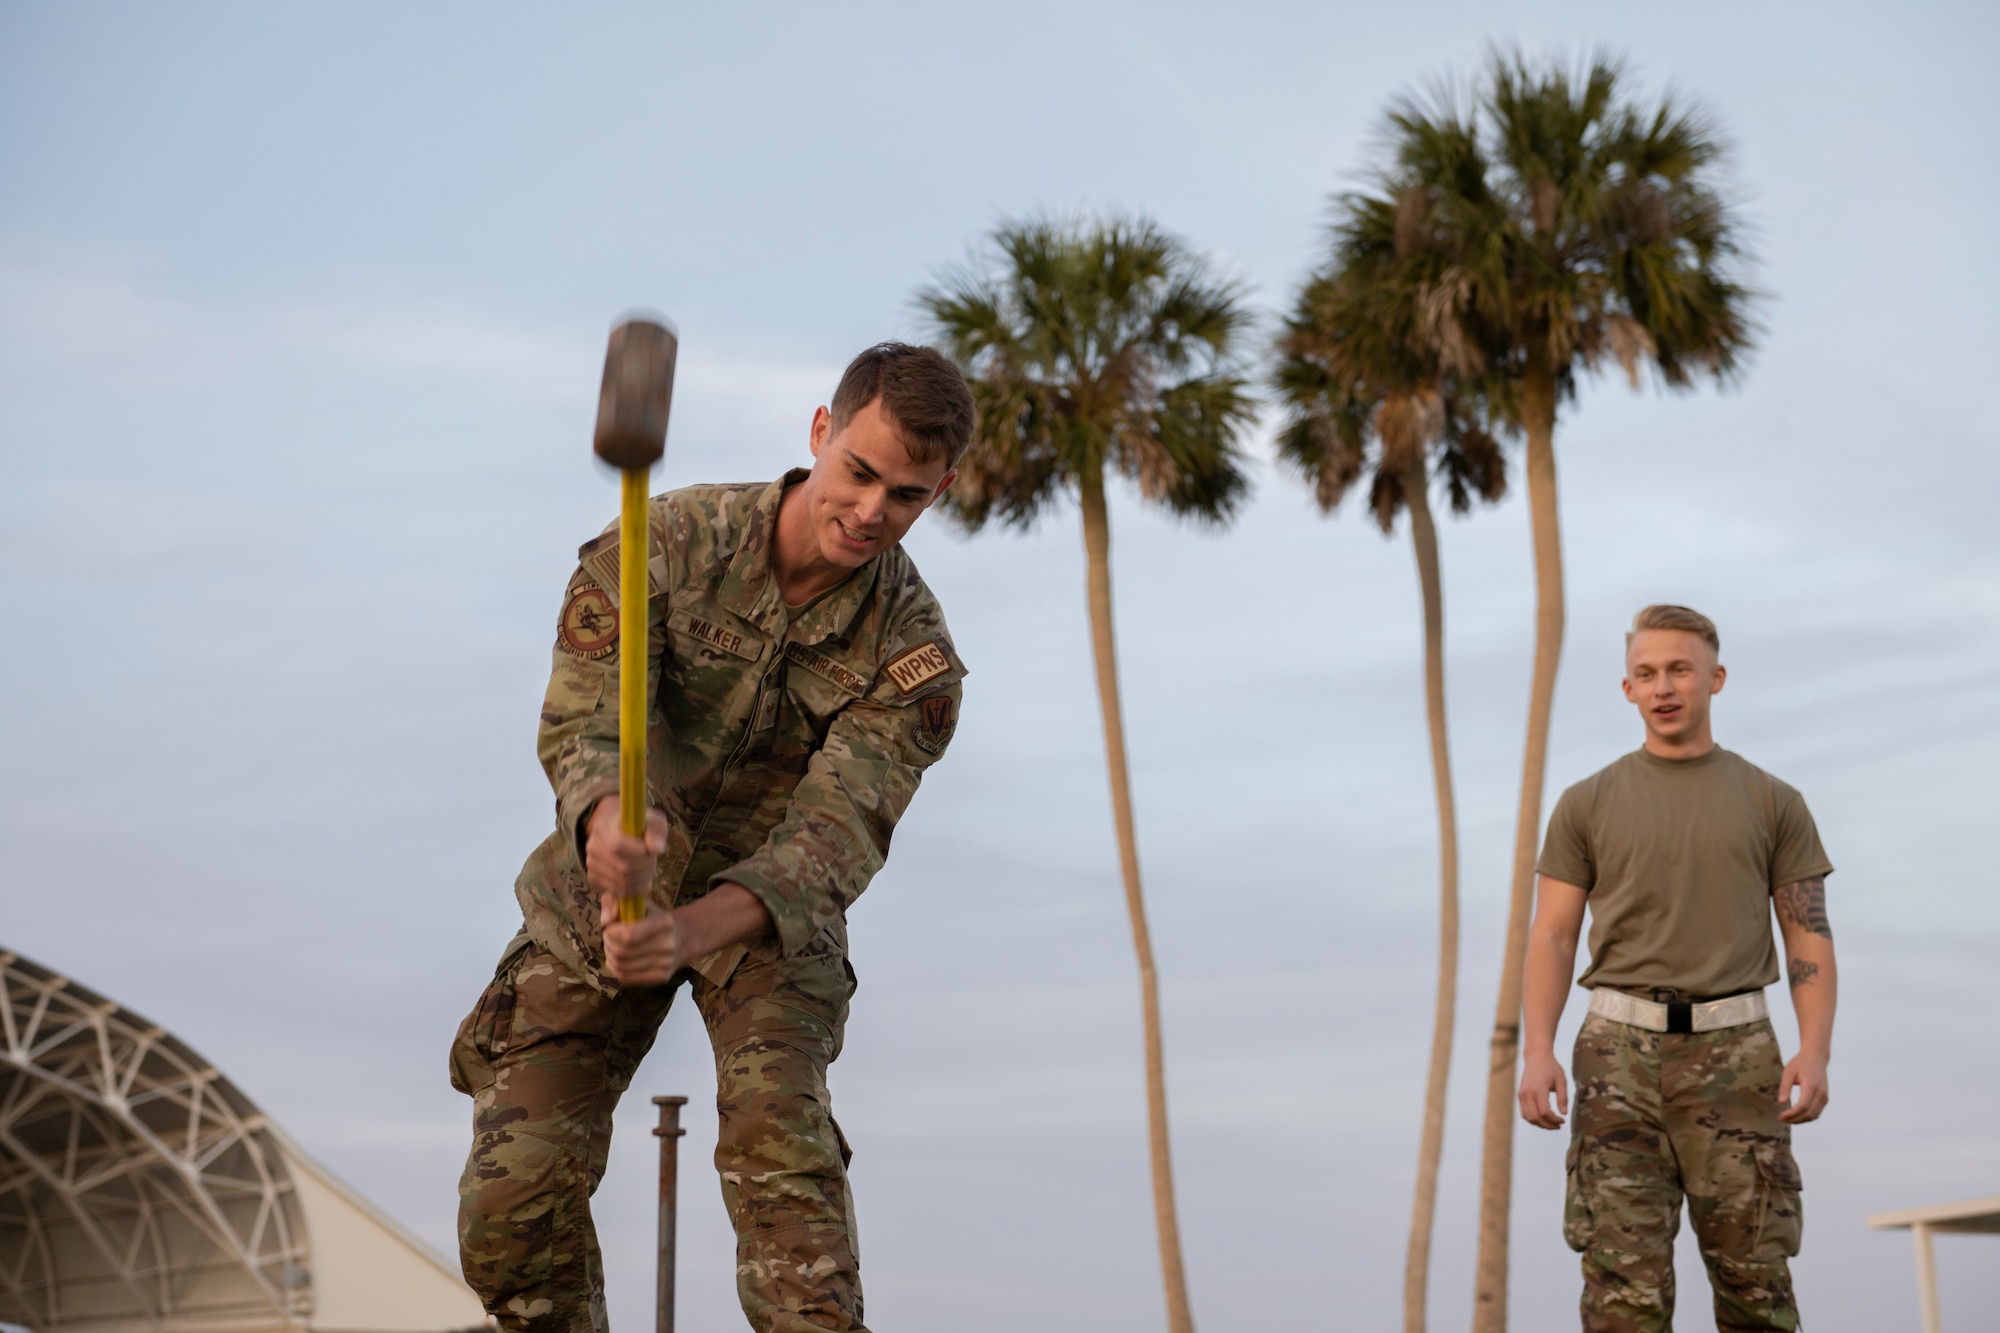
[
  {"x": 1660, "y": 1115},
  {"x": 545, "y": 1058}
]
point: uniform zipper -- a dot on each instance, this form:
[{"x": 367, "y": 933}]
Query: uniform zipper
[{"x": 742, "y": 744}]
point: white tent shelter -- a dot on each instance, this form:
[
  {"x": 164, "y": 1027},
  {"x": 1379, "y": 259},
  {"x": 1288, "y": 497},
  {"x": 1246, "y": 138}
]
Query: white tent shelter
[
  {"x": 140, "y": 1191},
  {"x": 1975, "y": 1215}
]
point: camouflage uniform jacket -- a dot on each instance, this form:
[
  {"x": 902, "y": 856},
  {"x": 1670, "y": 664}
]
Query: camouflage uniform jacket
[{"x": 782, "y": 745}]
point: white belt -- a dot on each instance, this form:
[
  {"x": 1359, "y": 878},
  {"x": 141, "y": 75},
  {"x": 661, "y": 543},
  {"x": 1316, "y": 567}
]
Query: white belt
[{"x": 1656, "y": 1017}]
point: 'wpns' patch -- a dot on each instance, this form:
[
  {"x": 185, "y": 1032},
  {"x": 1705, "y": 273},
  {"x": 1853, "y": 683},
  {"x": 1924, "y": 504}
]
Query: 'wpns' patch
[
  {"x": 913, "y": 668},
  {"x": 934, "y": 722},
  {"x": 589, "y": 624}
]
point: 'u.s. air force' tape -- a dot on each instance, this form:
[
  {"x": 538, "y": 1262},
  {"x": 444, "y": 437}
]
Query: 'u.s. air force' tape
[{"x": 826, "y": 668}]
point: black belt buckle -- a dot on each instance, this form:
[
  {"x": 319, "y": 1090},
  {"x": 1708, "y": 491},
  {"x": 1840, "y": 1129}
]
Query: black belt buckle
[{"x": 1680, "y": 1013}]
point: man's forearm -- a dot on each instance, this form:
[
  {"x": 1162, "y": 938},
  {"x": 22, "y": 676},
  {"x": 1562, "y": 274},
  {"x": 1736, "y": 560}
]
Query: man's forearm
[
  {"x": 1551, "y": 961},
  {"x": 1809, "y": 962},
  {"x": 1545, "y": 987},
  {"x": 1815, "y": 982},
  {"x": 728, "y": 914}
]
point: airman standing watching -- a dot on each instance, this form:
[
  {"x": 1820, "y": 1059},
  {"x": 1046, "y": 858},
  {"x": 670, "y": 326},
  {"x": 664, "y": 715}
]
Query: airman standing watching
[
  {"x": 1680, "y": 851},
  {"x": 801, "y": 679}
]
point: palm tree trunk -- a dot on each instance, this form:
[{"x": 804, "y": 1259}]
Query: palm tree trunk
[
  {"x": 1423, "y": 536},
  {"x": 1097, "y": 552},
  {"x": 1538, "y": 419}
]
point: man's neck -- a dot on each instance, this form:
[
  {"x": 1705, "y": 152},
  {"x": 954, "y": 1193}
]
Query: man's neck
[
  {"x": 1692, "y": 746},
  {"x": 802, "y": 572}
]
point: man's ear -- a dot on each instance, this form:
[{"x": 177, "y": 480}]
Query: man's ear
[
  {"x": 942, "y": 486},
  {"x": 1721, "y": 675},
  {"x": 822, "y": 430}
]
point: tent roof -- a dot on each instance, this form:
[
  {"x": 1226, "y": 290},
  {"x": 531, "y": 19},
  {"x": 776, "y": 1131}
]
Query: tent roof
[
  {"x": 1976, "y": 1215},
  {"x": 141, "y": 1190}
]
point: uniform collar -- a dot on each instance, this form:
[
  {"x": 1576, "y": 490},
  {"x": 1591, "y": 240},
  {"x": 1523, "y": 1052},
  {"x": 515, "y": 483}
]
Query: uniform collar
[
  {"x": 1661, "y": 763},
  {"x": 751, "y": 591}
]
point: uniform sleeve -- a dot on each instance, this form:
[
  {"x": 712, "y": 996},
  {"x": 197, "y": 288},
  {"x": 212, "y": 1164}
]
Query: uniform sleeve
[
  {"x": 577, "y": 741},
  {"x": 1796, "y": 852},
  {"x": 835, "y": 834},
  {"x": 1566, "y": 847}
]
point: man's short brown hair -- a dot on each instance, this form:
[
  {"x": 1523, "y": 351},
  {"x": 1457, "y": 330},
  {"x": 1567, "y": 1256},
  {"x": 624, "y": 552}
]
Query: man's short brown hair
[
  {"x": 923, "y": 395},
  {"x": 1665, "y": 615}
]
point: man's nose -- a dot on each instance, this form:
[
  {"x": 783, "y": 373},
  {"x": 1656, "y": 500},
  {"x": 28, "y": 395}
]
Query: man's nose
[{"x": 868, "y": 509}]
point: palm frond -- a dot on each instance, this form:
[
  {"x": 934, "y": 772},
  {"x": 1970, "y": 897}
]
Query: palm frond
[
  {"x": 1547, "y": 223},
  {"x": 1616, "y": 245},
  {"x": 1095, "y": 344}
]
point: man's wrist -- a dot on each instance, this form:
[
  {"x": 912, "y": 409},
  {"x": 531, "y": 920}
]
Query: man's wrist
[
  {"x": 688, "y": 942},
  {"x": 583, "y": 822}
]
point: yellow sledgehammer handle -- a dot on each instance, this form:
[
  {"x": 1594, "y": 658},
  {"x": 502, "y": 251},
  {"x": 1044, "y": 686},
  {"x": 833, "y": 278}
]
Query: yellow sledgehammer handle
[
  {"x": 631, "y": 435},
  {"x": 634, "y": 549}
]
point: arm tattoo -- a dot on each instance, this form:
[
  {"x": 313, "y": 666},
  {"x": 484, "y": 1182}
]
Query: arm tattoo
[
  {"x": 1803, "y": 972},
  {"x": 1804, "y": 904}
]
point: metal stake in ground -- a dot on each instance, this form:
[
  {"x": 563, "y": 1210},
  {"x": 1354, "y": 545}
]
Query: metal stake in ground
[
  {"x": 631, "y": 436},
  {"x": 669, "y": 1131}
]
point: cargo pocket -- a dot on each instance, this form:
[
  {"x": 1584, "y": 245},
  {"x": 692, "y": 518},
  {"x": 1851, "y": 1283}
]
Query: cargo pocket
[
  {"x": 1579, "y": 1230},
  {"x": 839, "y": 1137},
  {"x": 1779, "y": 1222},
  {"x": 482, "y": 1036}
]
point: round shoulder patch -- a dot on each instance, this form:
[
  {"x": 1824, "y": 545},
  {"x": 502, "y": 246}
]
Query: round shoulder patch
[{"x": 589, "y": 624}]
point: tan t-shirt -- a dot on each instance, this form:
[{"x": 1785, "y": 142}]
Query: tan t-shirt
[{"x": 1679, "y": 857}]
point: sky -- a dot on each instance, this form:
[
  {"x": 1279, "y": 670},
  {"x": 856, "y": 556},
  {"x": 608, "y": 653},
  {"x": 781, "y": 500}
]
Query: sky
[{"x": 302, "y": 311}]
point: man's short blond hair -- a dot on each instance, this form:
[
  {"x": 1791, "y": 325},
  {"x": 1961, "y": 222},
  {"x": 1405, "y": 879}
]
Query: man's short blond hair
[{"x": 1665, "y": 615}]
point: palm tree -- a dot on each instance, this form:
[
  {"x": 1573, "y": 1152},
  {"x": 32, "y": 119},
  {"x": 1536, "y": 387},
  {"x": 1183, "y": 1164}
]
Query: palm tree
[
  {"x": 1099, "y": 346},
  {"x": 1580, "y": 227},
  {"x": 1369, "y": 390}
]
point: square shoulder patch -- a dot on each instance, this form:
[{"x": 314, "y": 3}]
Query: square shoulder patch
[
  {"x": 600, "y": 559},
  {"x": 914, "y": 668}
]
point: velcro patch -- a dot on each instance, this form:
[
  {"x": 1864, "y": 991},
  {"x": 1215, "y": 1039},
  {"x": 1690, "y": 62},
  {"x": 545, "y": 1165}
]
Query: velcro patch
[
  {"x": 600, "y": 560},
  {"x": 936, "y": 719},
  {"x": 588, "y": 627},
  {"x": 825, "y": 668},
  {"x": 914, "y": 668},
  {"x": 715, "y": 636}
]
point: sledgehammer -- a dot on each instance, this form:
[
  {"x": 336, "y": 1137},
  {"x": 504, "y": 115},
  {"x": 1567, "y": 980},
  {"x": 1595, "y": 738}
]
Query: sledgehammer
[{"x": 631, "y": 436}]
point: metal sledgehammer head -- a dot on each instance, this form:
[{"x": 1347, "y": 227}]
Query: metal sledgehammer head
[{"x": 637, "y": 395}]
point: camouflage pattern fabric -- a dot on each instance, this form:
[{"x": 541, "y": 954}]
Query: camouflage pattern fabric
[
  {"x": 783, "y": 747},
  {"x": 1660, "y": 1116},
  {"x": 545, "y": 1057}
]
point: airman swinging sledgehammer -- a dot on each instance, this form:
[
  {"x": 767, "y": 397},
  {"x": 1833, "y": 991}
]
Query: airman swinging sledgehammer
[{"x": 800, "y": 679}]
